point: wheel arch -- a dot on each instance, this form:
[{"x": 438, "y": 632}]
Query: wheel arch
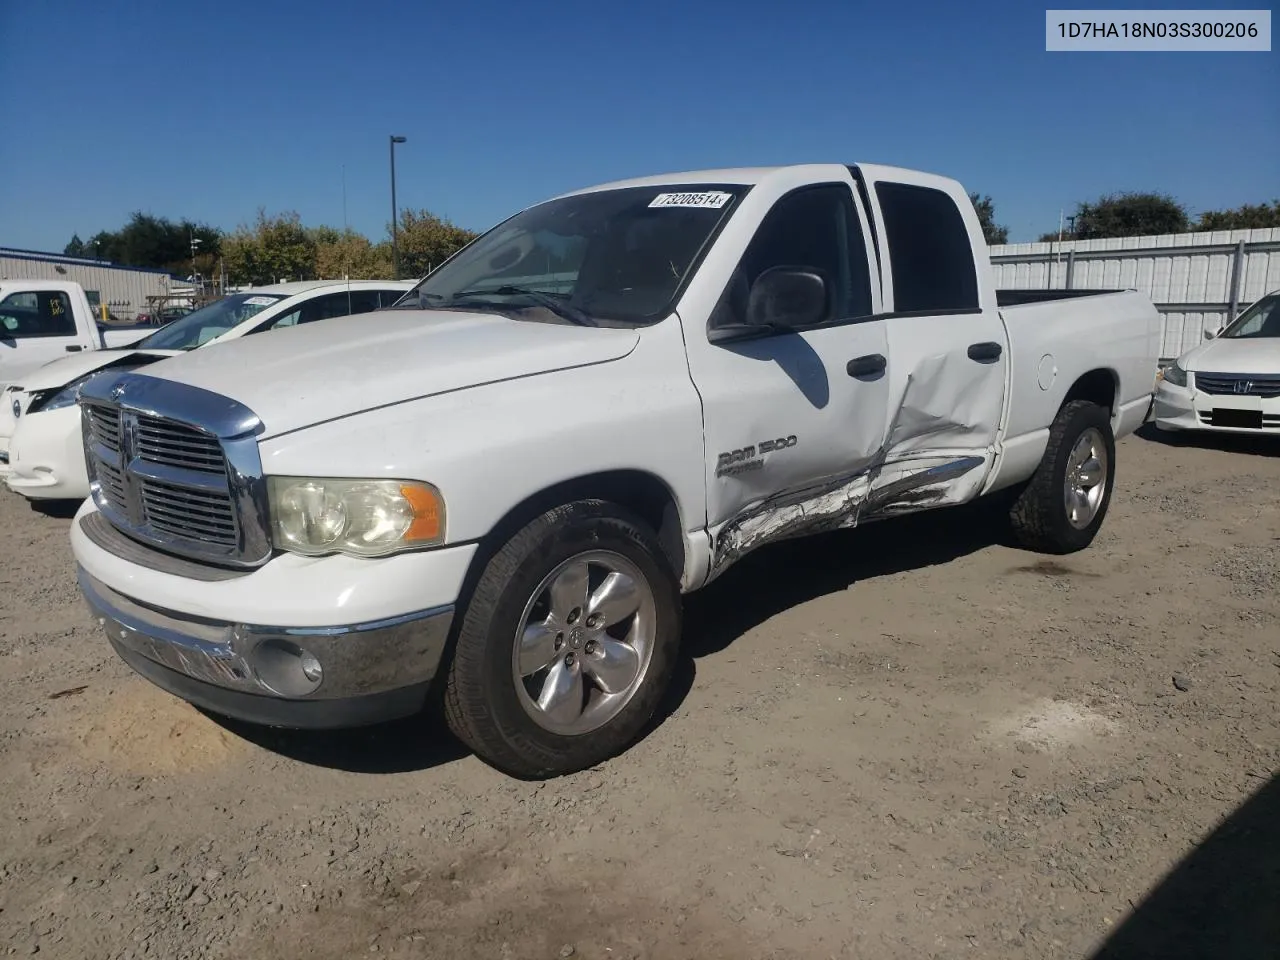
[
  {"x": 643, "y": 493},
  {"x": 1100, "y": 385}
]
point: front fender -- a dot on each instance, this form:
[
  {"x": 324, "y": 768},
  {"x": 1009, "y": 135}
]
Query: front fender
[{"x": 488, "y": 448}]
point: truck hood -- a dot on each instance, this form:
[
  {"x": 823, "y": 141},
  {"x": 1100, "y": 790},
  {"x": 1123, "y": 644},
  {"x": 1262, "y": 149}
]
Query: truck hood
[
  {"x": 1259, "y": 355},
  {"x": 60, "y": 372},
  {"x": 328, "y": 369}
]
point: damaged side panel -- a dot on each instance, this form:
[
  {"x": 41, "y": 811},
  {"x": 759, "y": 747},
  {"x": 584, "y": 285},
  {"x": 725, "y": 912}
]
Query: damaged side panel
[{"x": 937, "y": 452}]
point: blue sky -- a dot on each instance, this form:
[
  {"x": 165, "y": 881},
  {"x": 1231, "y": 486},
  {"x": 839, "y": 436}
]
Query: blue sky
[{"x": 209, "y": 112}]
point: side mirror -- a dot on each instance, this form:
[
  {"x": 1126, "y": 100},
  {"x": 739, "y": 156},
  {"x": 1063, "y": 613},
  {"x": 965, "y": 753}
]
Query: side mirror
[
  {"x": 787, "y": 297},
  {"x": 1210, "y": 334}
]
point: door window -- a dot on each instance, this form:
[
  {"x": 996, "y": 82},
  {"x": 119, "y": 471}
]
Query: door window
[
  {"x": 929, "y": 250},
  {"x": 813, "y": 228},
  {"x": 35, "y": 314},
  {"x": 330, "y": 305}
]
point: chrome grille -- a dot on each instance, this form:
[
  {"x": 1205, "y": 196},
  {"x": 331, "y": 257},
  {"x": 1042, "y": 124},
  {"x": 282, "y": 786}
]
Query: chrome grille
[
  {"x": 112, "y": 482},
  {"x": 170, "y": 481},
  {"x": 193, "y": 514},
  {"x": 161, "y": 441},
  {"x": 1266, "y": 385},
  {"x": 105, "y": 424}
]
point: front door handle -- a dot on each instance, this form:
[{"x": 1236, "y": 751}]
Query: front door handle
[
  {"x": 985, "y": 352},
  {"x": 73, "y": 349},
  {"x": 871, "y": 366}
]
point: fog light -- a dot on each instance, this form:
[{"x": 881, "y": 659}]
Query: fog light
[
  {"x": 311, "y": 668},
  {"x": 286, "y": 669}
]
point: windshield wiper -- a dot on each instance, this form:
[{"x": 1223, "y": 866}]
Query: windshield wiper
[{"x": 555, "y": 302}]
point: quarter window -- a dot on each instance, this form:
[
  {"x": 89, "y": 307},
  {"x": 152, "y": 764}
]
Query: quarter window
[{"x": 929, "y": 250}]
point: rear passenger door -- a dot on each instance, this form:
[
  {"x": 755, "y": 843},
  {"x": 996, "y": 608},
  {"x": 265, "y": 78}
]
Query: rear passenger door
[
  {"x": 947, "y": 352},
  {"x": 36, "y": 326}
]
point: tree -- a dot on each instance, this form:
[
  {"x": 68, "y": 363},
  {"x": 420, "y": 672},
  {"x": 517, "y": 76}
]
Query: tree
[
  {"x": 987, "y": 216},
  {"x": 1247, "y": 217},
  {"x": 156, "y": 242},
  {"x": 1129, "y": 215},
  {"x": 75, "y": 247},
  {"x": 275, "y": 248},
  {"x": 426, "y": 241},
  {"x": 340, "y": 255}
]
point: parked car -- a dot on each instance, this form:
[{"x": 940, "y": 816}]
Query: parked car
[
  {"x": 42, "y": 320},
  {"x": 497, "y": 491},
  {"x": 163, "y": 315},
  {"x": 1230, "y": 384},
  {"x": 41, "y": 430}
]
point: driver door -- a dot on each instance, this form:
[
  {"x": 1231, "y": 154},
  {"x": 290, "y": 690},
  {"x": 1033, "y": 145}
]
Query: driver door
[
  {"x": 794, "y": 420},
  {"x": 36, "y": 326}
]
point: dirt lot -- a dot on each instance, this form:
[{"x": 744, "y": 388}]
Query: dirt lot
[{"x": 907, "y": 741}]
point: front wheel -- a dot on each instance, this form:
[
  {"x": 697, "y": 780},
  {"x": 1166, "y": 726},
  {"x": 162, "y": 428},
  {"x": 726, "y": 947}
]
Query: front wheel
[
  {"x": 568, "y": 643},
  {"x": 1062, "y": 508}
]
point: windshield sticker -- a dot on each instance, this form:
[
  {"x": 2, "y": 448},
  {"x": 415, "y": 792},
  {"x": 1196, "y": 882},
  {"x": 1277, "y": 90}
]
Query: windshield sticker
[
  {"x": 713, "y": 200},
  {"x": 260, "y": 301}
]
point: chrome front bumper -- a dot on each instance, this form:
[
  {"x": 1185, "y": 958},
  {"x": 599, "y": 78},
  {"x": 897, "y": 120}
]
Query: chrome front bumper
[{"x": 287, "y": 676}]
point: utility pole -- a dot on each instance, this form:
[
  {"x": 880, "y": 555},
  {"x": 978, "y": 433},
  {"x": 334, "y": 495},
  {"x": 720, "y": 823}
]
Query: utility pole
[{"x": 395, "y": 213}]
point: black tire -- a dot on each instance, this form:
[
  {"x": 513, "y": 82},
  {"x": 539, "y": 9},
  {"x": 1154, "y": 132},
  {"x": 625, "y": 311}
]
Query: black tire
[
  {"x": 481, "y": 703},
  {"x": 1039, "y": 515}
]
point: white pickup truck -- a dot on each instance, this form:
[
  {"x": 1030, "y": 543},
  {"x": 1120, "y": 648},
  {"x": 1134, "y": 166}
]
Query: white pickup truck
[
  {"x": 43, "y": 320},
  {"x": 497, "y": 491}
]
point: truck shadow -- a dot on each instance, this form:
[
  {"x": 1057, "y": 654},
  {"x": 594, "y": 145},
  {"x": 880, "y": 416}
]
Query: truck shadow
[
  {"x": 787, "y": 574},
  {"x": 762, "y": 584},
  {"x": 56, "y": 509},
  {"x": 1260, "y": 446},
  {"x": 1221, "y": 900}
]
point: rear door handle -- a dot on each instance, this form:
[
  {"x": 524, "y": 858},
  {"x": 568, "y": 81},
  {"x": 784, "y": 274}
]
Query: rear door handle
[
  {"x": 73, "y": 349},
  {"x": 870, "y": 366},
  {"x": 985, "y": 352}
]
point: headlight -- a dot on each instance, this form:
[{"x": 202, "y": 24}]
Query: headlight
[
  {"x": 365, "y": 518},
  {"x": 43, "y": 400},
  {"x": 1175, "y": 374},
  {"x": 55, "y": 399}
]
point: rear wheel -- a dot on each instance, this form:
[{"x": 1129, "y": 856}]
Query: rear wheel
[
  {"x": 1062, "y": 507},
  {"x": 567, "y": 644}
]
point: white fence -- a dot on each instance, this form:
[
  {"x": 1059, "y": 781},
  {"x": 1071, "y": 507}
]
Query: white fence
[{"x": 1198, "y": 281}]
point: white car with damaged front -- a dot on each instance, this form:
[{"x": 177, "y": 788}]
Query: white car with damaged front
[
  {"x": 1231, "y": 383},
  {"x": 41, "y": 429}
]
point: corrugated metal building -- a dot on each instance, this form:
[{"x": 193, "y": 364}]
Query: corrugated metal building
[
  {"x": 123, "y": 289},
  {"x": 1198, "y": 281}
]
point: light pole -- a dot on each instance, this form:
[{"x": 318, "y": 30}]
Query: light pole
[
  {"x": 395, "y": 231},
  {"x": 195, "y": 242}
]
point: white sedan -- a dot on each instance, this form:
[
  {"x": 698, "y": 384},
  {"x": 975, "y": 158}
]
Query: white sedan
[
  {"x": 1231, "y": 384},
  {"x": 45, "y": 449}
]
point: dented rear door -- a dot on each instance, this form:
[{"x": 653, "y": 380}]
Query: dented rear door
[{"x": 947, "y": 346}]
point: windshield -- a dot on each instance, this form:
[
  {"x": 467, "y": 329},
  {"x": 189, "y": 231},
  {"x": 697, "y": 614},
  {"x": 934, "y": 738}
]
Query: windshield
[
  {"x": 613, "y": 257},
  {"x": 1262, "y": 320},
  {"x": 201, "y": 326}
]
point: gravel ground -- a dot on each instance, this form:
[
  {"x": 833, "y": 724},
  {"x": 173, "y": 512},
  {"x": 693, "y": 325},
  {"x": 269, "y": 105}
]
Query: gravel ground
[{"x": 908, "y": 741}]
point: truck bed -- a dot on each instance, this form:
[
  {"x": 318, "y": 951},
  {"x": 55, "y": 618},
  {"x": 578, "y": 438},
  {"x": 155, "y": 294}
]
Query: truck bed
[
  {"x": 1114, "y": 332},
  {"x": 1013, "y": 298}
]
